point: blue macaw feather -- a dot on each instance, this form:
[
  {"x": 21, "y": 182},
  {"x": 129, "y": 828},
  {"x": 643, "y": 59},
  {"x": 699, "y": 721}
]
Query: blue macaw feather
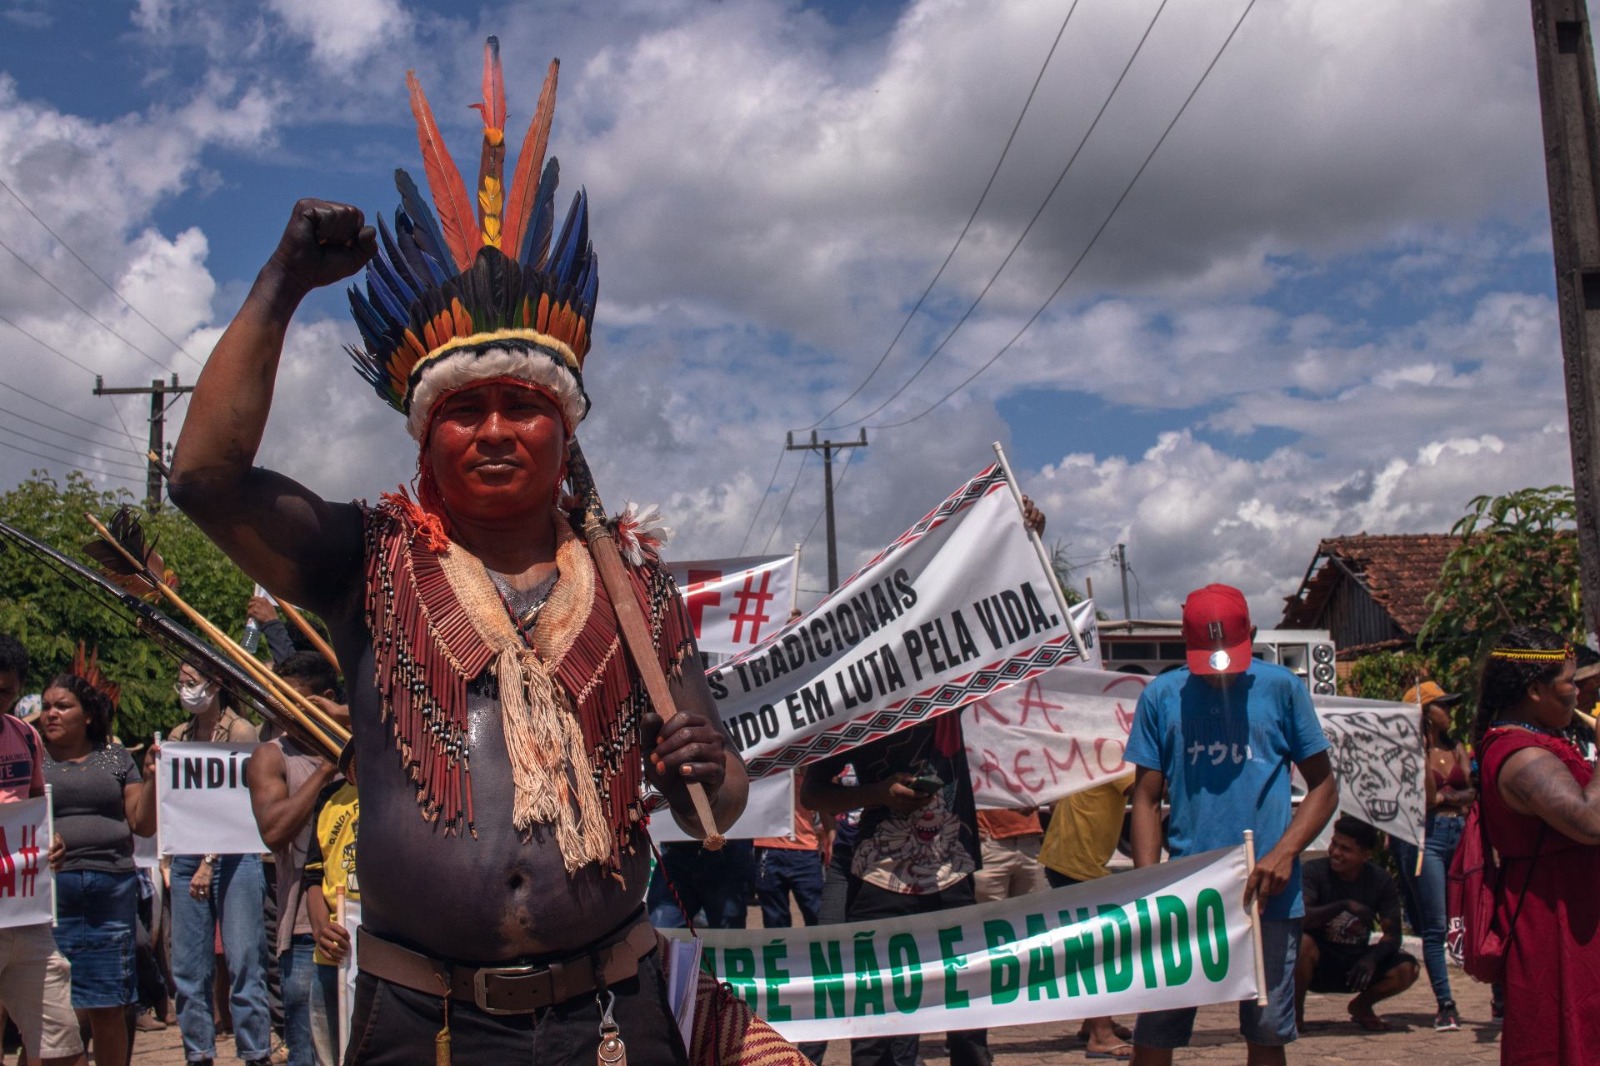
[
  {"x": 423, "y": 265},
  {"x": 402, "y": 266},
  {"x": 369, "y": 322},
  {"x": 591, "y": 282},
  {"x": 402, "y": 290},
  {"x": 390, "y": 307},
  {"x": 574, "y": 238},
  {"x": 430, "y": 238},
  {"x": 536, "y": 239}
]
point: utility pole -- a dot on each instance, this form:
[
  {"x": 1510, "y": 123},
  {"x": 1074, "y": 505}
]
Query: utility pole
[
  {"x": 1564, "y": 50},
  {"x": 158, "y": 391},
  {"x": 1122, "y": 565},
  {"x": 827, "y": 448}
]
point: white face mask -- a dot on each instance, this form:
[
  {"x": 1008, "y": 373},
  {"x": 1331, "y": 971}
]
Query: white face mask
[{"x": 195, "y": 696}]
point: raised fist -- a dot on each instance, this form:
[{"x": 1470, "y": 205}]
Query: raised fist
[{"x": 324, "y": 243}]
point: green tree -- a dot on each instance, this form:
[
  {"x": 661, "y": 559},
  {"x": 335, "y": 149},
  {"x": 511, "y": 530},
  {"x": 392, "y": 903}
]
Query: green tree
[
  {"x": 50, "y": 616},
  {"x": 1517, "y": 564}
]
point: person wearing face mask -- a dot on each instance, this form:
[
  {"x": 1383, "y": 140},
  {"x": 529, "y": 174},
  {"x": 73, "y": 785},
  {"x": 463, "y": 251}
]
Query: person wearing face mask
[{"x": 218, "y": 890}]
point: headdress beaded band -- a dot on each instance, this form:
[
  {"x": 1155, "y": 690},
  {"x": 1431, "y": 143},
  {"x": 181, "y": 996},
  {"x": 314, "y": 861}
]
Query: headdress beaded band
[{"x": 1533, "y": 655}]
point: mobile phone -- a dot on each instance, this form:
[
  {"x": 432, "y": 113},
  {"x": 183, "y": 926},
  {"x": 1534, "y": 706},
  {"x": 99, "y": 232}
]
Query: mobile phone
[{"x": 926, "y": 783}]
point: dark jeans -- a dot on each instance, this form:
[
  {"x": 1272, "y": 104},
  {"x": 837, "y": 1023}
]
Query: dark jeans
[
  {"x": 717, "y": 882},
  {"x": 866, "y": 902},
  {"x": 780, "y": 871},
  {"x": 394, "y": 1026},
  {"x": 1443, "y": 834}
]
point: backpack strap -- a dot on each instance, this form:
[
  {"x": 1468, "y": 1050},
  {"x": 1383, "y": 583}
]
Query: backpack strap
[{"x": 1499, "y": 862}]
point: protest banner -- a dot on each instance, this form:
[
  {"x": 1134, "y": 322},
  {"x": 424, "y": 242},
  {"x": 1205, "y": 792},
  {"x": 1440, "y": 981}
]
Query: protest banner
[
  {"x": 769, "y": 813},
  {"x": 735, "y": 603},
  {"x": 202, "y": 802},
  {"x": 1064, "y": 731},
  {"x": 1377, "y": 753},
  {"x": 955, "y": 608},
  {"x": 26, "y": 881},
  {"x": 1170, "y": 935}
]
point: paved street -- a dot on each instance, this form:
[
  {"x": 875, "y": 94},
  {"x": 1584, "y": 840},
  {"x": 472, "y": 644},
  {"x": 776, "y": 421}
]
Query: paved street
[{"x": 1329, "y": 1040}]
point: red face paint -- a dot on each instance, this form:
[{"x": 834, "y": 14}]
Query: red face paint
[{"x": 495, "y": 449}]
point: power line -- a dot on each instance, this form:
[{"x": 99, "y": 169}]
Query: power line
[
  {"x": 982, "y": 198},
  {"x": 47, "y": 403},
  {"x": 1092, "y": 240},
  {"x": 69, "y": 451},
  {"x": 62, "y": 432},
  {"x": 1061, "y": 177},
  {"x": 771, "y": 481},
  {"x": 58, "y": 459},
  {"x": 777, "y": 525},
  {"x": 68, "y": 297},
  {"x": 47, "y": 346},
  {"x": 98, "y": 277}
]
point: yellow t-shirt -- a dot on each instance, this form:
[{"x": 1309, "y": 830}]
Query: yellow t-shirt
[
  {"x": 331, "y": 861},
  {"x": 1084, "y": 829}
]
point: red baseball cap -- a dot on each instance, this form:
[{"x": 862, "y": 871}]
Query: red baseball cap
[{"x": 1217, "y": 630}]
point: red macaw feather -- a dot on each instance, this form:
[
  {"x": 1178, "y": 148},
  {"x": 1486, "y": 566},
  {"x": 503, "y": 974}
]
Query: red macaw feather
[
  {"x": 530, "y": 162},
  {"x": 444, "y": 180},
  {"x": 491, "y": 161}
]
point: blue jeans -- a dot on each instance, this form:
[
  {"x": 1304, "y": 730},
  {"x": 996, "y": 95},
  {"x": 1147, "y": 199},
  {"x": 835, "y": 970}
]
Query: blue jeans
[
  {"x": 234, "y": 902},
  {"x": 1269, "y": 1026},
  {"x": 304, "y": 982},
  {"x": 1443, "y": 835},
  {"x": 780, "y": 871},
  {"x": 716, "y": 881}
]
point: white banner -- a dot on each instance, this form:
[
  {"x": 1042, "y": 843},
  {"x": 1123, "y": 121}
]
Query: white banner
[
  {"x": 769, "y": 813},
  {"x": 1052, "y": 735},
  {"x": 26, "y": 880},
  {"x": 202, "y": 801},
  {"x": 954, "y": 609},
  {"x": 349, "y": 970},
  {"x": 736, "y": 603},
  {"x": 1170, "y": 935},
  {"x": 1378, "y": 756}
]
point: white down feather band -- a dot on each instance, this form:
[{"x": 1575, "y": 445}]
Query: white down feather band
[{"x": 525, "y": 362}]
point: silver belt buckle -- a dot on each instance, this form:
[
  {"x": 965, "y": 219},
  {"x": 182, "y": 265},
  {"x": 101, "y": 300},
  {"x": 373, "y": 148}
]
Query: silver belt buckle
[{"x": 513, "y": 976}]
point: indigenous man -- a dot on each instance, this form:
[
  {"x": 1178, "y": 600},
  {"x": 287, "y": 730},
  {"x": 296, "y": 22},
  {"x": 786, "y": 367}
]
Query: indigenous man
[{"x": 500, "y": 724}]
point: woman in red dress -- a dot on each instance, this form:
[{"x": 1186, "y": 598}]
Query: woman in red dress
[{"x": 1541, "y": 805}]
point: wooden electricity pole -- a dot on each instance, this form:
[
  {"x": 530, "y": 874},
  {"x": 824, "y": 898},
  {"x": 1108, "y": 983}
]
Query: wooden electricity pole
[
  {"x": 1564, "y": 49},
  {"x": 827, "y": 448},
  {"x": 158, "y": 391}
]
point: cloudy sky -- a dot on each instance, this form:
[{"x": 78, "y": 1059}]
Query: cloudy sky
[{"x": 1323, "y": 305}]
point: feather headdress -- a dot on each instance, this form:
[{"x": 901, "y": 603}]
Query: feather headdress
[{"x": 481, "y": 290}]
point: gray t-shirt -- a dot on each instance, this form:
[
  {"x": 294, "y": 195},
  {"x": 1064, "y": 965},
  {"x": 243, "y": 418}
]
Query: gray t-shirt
[{"x": 89, "y": 810}]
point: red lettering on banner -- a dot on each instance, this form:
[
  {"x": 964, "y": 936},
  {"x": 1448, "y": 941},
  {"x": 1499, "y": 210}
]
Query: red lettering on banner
[
  {"x": 1125, "y": 716},
  {"x": 8, "y": 867},
  {"x": 983, "y": 707},
  {"x": 985, "y": 768},
  {"x": 752, "y": 607},
  {"x": 1022, "y": 766},
  {"x": 1033, "y": 700},
  {"x": 697, "y": 598}
]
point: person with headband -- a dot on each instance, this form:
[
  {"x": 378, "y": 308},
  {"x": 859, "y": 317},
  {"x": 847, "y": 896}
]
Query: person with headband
[
  {"x": 502, "y": 727},
  {"x": 1541, "y": 813}
]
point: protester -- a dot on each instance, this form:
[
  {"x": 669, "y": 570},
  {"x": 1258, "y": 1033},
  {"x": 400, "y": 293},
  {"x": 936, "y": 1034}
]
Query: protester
[
  {"x": 791, "y": 866},
  {"x": 265, "y": 614},
  {"x": 284, "y": 781},
  {"x": 35, "y": 978},
  {"x": 1540, "y": 805},
  {"x": 917, "y": 846},
  {"x": 1448, "y": 793},
  {"x": 1217, "y": 737},
  {"x": 218, "y": 891},
  {"x": 1085, "y": 828},
  {"x": 330, "y": 874},
  {"x": 538, "y": 855},
  {"x": 1346, "y": 893},
  {"x": 691, "y": 880},
  {"x": 101, "y": 800}
]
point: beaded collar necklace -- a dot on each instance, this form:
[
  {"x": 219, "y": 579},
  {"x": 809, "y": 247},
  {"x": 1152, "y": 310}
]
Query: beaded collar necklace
[{"x": 1506, "y": 723}]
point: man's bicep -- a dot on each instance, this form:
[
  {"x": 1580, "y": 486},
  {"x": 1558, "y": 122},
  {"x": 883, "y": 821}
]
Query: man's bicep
[{"x": 297, "y": 545}]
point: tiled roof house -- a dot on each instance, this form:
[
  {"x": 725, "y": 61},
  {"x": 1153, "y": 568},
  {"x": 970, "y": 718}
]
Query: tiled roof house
[{"x": 1369, "y": 590}]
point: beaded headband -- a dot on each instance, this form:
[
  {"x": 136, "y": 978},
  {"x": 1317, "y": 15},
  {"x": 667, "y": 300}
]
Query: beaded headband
[
  {"x": 452, "y": 299},
  {"x": 1533, "y": 655}
]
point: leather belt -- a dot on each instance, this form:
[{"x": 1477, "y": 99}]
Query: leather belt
[{"x": 511, "y": 989}]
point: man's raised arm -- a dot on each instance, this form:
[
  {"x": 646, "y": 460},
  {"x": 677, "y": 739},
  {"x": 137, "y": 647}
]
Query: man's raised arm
[{"x": 276, "y": 530}]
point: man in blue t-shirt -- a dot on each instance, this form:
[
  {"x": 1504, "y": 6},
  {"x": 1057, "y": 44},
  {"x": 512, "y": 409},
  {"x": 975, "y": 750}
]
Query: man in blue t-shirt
[{"x": 1218, "y": 738}]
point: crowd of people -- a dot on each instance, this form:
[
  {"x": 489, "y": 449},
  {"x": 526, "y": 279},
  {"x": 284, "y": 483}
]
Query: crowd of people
[{"x": 509, "y": 660}]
